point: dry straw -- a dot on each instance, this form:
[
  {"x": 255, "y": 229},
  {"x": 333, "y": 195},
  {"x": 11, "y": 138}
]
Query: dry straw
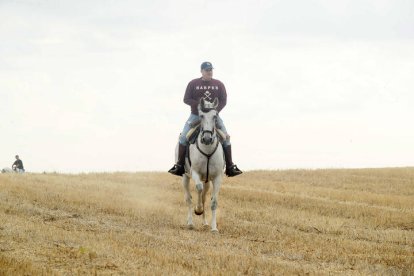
[{"x": 271, "y": 222}]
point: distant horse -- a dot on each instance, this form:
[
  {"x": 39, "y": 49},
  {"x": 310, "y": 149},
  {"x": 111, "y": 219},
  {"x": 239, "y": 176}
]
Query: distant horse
[
  {"x": 205, "y": 165},
  {"x": 7, "y": 170},
  {"x": 12, "y": 170}
]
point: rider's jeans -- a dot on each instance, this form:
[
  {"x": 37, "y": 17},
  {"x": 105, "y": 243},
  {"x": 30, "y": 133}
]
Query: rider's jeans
[{"x": 183, "y": 136}]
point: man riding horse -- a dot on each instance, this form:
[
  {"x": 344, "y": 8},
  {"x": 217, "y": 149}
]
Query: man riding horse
[
  {"x": 18, "y": 165},
  {"x": 208, "y": 88}
]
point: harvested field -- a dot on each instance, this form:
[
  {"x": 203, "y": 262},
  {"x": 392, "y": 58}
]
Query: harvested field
[{"x": 334, "y": 221}]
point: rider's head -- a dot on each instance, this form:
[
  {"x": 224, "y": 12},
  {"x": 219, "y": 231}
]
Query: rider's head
[
  {"x": 17, "y": 157},
  {"x": 207, "y": 70}
]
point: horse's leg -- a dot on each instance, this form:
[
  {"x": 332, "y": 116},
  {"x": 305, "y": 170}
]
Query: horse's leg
[
  {"x": 214, "y": 202},
  {"x": 199, "y": 187},
  {"x": 186, "y": 185},
  {"x": 205, "y": 191}
]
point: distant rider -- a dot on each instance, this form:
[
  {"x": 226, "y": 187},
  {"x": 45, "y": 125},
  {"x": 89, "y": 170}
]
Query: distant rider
[{"x": 18, "y": 165}]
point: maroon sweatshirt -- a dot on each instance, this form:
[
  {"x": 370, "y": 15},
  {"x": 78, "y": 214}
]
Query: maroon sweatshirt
[{"x": 209, "y": 90}]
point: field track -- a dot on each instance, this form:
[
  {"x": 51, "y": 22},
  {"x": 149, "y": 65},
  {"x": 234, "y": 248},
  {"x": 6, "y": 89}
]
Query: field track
[{"x": 348, "y": 222}]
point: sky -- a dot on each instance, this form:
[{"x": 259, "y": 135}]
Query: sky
[{"x": 98, "y": 86}]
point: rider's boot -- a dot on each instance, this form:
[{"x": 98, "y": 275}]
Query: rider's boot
[
  {"x": 178, "y": 168},
  {"x": 231, "y": 169}
]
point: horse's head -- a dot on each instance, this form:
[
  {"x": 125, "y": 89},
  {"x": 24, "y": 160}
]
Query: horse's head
[{"x": 208, "y": 115}]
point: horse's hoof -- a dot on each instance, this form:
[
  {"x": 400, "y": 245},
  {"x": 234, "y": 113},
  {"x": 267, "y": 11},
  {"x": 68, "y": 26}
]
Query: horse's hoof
[
  {"x": 214, "y": 231},
  {"x": 206, "y": 226},
  {"x": 190, "y": 226},
  {"x": 198, "y": 213}
]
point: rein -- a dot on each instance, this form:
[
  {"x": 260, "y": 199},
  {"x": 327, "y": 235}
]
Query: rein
[{"x": 207, "y": 155}]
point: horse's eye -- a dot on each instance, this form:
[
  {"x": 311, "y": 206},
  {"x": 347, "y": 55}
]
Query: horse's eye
[{"x": 201, "y": 116}]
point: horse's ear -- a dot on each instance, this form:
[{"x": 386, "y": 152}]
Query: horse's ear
[
  {"x": 202, "y": 102},
  {"x": 215, "y": 103}
]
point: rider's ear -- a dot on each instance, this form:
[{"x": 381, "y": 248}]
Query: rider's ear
[{"x": 216, "y": 102}]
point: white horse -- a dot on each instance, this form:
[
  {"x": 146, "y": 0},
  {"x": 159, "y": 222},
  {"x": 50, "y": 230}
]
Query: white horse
[
  {"x": 7, "y": 170},
  {"x": 205, "y": 165},
  {"x": 14, "y": 169}
]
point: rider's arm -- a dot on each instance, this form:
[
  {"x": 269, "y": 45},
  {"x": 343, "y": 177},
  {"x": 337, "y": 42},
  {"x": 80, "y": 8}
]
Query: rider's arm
[
  {"x": 188, "y": 96},
  {"x": 222, "y": 97}
]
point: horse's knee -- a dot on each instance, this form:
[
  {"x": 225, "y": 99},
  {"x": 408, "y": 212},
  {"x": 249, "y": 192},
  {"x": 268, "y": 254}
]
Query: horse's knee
[
  {"x": 214, "y": 204},
  {"x": 199, "y": 187},
  {"x": 188, "y": 200}
]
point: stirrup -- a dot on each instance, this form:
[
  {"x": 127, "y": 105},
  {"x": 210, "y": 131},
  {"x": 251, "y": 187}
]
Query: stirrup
[
  {"x": 177, "y": 169},
  {"x": 233, "y": 171}
]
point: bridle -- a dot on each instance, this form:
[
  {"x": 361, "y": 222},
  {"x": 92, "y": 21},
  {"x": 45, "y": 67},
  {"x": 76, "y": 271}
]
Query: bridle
[
  {"x": 209, "y": 131},
  {"x": 208, "y": 155}
]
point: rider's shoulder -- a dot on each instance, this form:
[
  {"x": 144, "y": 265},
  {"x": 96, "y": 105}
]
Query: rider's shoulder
[
  {"x": 196, "y": 80},
  {"x": 217, "y": 81}
]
